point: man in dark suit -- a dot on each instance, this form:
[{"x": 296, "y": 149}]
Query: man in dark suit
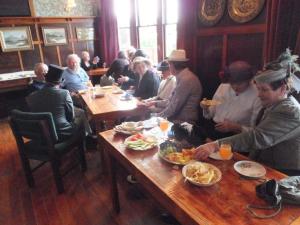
[{"x": 57, "y": 101}]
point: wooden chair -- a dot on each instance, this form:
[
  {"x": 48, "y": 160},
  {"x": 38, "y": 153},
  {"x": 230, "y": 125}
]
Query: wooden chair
[{"x": 37, "y": 139}]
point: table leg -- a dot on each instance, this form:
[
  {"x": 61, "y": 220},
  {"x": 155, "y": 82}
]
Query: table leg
[{"x": 113, "y": 182}]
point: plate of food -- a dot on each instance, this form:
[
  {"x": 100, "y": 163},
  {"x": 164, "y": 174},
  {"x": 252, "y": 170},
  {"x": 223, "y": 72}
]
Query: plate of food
[
  {"x": 129, "y": 127},
  {"x": 171, "y": 153},
  {"x": 216, "y": 156},
  {"x": 140, "y": 142},
  {"x": 249, "y": 169},
  {"x": 201, "y": 174},
  {"x": 210, "y": 102}
]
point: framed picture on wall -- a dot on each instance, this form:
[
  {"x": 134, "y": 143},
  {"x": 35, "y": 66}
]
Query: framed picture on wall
[
  {"x": 15, "y": 39},
  {"x": 54, "y": 36},
  {"x": 85, "y": 33}
]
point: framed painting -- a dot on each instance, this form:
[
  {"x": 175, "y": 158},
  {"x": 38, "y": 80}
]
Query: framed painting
[
  {"x": 15, "y": 39},
  {"x": 54, "y": 36},
  {"x": 85, "y": 33}
]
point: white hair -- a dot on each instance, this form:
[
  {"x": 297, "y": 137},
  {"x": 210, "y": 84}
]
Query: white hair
[{"x": 73, "y": 56}]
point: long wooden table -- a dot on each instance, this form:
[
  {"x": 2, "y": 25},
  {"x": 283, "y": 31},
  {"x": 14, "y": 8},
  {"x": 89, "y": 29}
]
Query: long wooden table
[{"x": 222, "y": 203}]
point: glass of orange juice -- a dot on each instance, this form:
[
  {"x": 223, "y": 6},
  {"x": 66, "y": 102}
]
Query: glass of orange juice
[
  {"x": 225, "y": 151},
  {"x": 164, "y": 125}
]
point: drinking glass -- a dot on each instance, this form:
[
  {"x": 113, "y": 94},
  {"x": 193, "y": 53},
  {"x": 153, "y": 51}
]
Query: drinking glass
[
  {"x": 164, "y": 125},
  {"x": 225, "y": 151}
]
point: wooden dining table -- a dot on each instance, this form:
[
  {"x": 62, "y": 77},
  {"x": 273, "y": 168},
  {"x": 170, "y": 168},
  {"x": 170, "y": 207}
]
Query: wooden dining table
[
  {"x": 221, "y": 203},
  {"x": 111, "y": 106}
]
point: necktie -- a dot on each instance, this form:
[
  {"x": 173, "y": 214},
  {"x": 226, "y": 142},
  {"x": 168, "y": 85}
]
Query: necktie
[{"x": 260, "y": 116}]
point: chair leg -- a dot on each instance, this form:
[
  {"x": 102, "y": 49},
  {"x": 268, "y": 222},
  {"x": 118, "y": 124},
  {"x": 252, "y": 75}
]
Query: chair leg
[
  {"x": 27, "y": 170},
  {"x": 82, "y": 156},
  {"x": 57, "y": 176}
]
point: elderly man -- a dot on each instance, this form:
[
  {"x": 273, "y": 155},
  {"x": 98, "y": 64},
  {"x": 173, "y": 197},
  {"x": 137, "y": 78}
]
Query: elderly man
[
  {"x": 40, "y": 70},
  {"x": 57, "y": 101},
  {"x": 75, "y": 78},
  {"x": 183, "y": 105}
]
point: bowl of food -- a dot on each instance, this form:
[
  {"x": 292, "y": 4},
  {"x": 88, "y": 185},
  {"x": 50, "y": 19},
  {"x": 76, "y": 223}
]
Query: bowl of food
[{"x": 201, "y": 174}]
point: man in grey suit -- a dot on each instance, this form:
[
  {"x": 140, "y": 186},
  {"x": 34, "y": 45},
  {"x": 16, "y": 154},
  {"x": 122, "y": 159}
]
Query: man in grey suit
[
  {"x": 275, "y": 140},
  {"x": 57, "y": 101}
]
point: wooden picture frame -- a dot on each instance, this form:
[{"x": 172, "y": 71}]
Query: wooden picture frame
[
  {"x": 54, "y": 36},
  {"x": 85, "y": 33},
  {"x": 16, "y": 39}
]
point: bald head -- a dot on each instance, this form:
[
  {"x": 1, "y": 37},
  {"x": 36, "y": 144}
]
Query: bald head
[{"x": 40, "y": 70}]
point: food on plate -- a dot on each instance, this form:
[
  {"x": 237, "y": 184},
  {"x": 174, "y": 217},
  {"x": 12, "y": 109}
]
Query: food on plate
[
  {"x": 201, "y": 173},
  {"x": 170, "y": 152},
  {"x": 181, "y": 157},
  {"x": 140, "y": 142},
  {"x": 211, "y": 102}
]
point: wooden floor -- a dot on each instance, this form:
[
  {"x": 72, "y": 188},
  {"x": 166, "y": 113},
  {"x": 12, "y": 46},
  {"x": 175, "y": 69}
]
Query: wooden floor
[{"x": 85, "y": 202}]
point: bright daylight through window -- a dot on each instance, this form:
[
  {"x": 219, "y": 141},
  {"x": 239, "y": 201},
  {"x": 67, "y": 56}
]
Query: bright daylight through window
[{"x": 149, "y": 25}]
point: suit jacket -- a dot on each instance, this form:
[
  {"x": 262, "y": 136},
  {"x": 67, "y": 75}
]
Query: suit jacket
[
  {"x": 88, "y": 68},
  {"x": 275, "y": 141},
  {"x": 147, "y": 87},
  {"x": 59, "y": 103},
  {"x": 183, "y": 105}
]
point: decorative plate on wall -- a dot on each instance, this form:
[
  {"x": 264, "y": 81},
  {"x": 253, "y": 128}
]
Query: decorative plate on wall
[
  {"x": 242, "y": 11},
  {"x": 211, "y": 11}
]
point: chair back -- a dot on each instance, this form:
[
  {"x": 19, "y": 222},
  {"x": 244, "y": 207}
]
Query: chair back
[{"x": 38, "y": 127}]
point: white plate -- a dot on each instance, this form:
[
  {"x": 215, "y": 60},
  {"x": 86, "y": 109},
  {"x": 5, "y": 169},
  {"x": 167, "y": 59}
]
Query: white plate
[
  {"x": 117, "y": 92},
  {"x": 216, "y": 156},
  {"x": 151, "y": 145},
  {"x": 106, "y": 87},
  {"x": 123, "y": 98},
  {"x": 249, "y": 169},
  {"x": 217, "y": 173}
]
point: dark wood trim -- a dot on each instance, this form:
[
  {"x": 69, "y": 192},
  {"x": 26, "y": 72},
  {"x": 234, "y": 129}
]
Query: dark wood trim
[
  {"x": 58, "y": 55},
  {"x": 20, "y": 60},
  {"x": 224, "y": 50},
  {"x": 31, "y": 7},
  {"x": 246, "y": 29}
]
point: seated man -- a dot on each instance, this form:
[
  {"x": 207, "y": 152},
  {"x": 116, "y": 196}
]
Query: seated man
[
  {"x": 183, "y": 105},
  {"x": 116, "y": 69},
  {"x": 57, "y": 101},
  {"x": 165, "y": 89},
  {"x": 275, "y": 140},
  {"x": 40, "y": 70},
  {"x": 147, "y": 81},
  {"x": 75, "y": 78},
  {"x": 239, "y": 103},
  {"x": 86, "y": 63}
]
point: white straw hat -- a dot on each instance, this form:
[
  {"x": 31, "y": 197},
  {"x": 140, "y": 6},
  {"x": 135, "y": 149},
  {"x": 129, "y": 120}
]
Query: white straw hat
[{"x": 178, "y": 55}]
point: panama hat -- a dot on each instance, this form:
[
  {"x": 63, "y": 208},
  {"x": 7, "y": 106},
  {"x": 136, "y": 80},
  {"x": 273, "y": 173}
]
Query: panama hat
[{"x": 178, "y": 55}]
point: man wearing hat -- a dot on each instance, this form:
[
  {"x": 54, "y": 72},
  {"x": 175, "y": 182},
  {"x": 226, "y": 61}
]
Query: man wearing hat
[
  {"x": 275, "y": 141},
  {"x": 182, "y": 106},
  {"x": 239, "y": 103},
  {"x": 57, "y": 101},
  {"x": 165, "y": 89}
]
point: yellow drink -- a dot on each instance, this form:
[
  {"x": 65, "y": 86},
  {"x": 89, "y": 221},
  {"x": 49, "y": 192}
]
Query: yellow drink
[
  {"x": 163, "y": 125},
  {"x": 225, "y": 151}
]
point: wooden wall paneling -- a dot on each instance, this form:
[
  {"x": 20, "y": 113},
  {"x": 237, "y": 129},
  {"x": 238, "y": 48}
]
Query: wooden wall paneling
[
  {"x": 9, "y": 62},
  {"x": 79, "y": 47},
  {"x": 71, "y": 36},
  {"x": 39, "y": 38},
  {"x": 50, "y": 55},
  {"x": 30, "y": 58},
  {"x": 246, "y": 47},
  {"x": 65, "y": 50},
  {"x": 209, "y": 55}
]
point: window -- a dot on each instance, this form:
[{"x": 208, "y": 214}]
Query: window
[{"x": 148, "y": 24}]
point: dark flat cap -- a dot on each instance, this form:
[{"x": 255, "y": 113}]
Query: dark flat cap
[{"x": 163, "y": 66}]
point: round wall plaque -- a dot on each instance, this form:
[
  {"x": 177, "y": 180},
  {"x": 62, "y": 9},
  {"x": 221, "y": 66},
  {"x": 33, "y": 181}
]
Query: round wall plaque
[
  {"x": 211, "y": 11},
  {"x": 242, "y": 11}
]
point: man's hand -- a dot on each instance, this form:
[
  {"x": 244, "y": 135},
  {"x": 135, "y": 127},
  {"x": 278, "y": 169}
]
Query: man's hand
[
  {"x": 123, "y": 79},
  {"x": 203, "y": 151},
  {"x": 228, "y": 126}
]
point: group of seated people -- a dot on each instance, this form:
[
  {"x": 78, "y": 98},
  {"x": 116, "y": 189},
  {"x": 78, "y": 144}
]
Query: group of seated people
[{"x": 256, "y": 113}]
